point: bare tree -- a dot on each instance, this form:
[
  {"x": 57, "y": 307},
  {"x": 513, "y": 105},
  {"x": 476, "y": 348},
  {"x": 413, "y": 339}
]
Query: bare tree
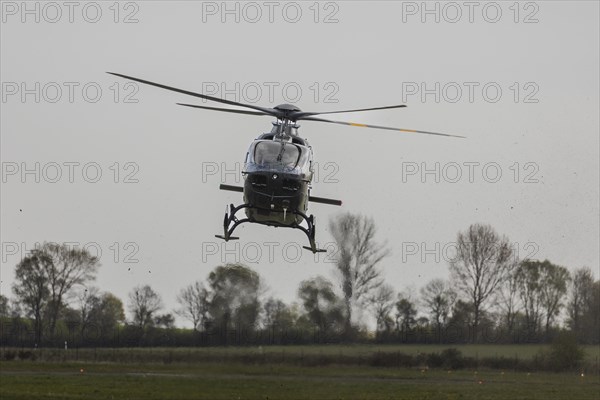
[
  {"x": 581, "y": 290},
  {"x": 553, "y": 289},
  {"x": 143, "y": 305},
  {"x": 438, "y": 297},
  {"x": 89, "y": 307},
  {"x": 69, "y": 267},
  {"x": 480, "y": 266},
  {"x": 357, "y": 259},
  {"x": 195, "y": 304},
  {"x": 382, "y": 303},
  {"x": 543, "y": 286},
  {"x": 530, "y": 282},
  {"x": 508, "y": 296}
]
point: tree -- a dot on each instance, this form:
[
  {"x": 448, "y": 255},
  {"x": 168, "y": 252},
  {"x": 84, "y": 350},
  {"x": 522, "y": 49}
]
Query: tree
[
  {"x": 32, "y": 290},
  {"x": 460, "y": 321},
  {"x": 530, "y": 282},
  {"x": 69, "y": 267},
  {"x": 357, "y": 259},
  {"x": 382, "y": 303},
  {"x": 508, "y": 297},
  {"x": 580, "y": 296},
  {"x": 591, "y": 316},
  {"x": 4, "y": 308},
  {"x": 277, "y": 314},
  {"x": 89, "y": 307},
  {"x": 320, "y": 302},
  {"x": 99, "y": 312},
  {"x": 235, "y": 291},
  {"x": 166, "y": 321},
  {"x": 111, "y": 313},
  {"x": 143, "y": 305},
  {"x": 406, "y": 313},
  {"x": 542, "y": 286},
  {"x": 194, "y": 301},
  {"x": 480, "y": 266},
  {"x": 438, "y": 297},
  {"x": 15, "y": 309},
  {"x": 554, "y": 279}
]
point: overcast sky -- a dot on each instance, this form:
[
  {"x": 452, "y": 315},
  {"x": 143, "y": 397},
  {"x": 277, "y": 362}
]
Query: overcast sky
[{"x": 521, "y": 82}]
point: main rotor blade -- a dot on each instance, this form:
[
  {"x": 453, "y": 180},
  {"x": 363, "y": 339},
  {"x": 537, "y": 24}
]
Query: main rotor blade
[
  {"x": 268, "y": 111},
  {"x": 225, "y": 109},
  {"x": 379, "y": 127},
  {"x": 302, "y": 114}
]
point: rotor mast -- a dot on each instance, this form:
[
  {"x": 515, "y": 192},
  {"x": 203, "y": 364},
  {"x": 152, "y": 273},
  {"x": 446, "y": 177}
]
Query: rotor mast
[{"x": 286, "y": 125}]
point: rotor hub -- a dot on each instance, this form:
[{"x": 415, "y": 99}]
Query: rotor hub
[{"x": 287, "y": 108}]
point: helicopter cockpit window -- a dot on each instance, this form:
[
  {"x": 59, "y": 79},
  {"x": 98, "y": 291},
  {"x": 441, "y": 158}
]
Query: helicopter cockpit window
[{"x": 270, "y": 154}]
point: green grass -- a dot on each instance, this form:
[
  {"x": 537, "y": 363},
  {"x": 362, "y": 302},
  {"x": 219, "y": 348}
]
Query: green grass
[
  {"x": 27, "y": 380},
  {"x": 243, "y": 373}
]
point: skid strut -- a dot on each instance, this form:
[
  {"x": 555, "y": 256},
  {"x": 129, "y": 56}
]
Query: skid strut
[{"x": 230, "y": 222}]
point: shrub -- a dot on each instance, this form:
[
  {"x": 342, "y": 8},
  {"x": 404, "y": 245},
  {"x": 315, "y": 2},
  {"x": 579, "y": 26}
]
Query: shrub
[
  {"x": 452, "y": 359},
  {"x": 565, "y": 353},
  {"x": 435, "y": 360},
  {"x": 26, "y": 355},
  {"x": 389, "y": 359},
  {"x": 9, "y": 355}
]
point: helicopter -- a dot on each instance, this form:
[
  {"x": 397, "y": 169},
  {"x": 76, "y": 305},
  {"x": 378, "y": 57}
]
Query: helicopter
[{"x": 279, "y": 167}]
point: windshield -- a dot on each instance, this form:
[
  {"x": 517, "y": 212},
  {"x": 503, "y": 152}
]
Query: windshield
[{"x": 271, "y": 154}]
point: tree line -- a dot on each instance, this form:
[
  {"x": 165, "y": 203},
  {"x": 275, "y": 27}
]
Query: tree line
[{"x": 491, "y": 297}]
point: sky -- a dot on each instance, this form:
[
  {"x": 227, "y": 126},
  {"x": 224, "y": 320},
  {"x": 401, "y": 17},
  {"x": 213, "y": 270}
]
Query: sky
[{"x": 96, "y": 161}]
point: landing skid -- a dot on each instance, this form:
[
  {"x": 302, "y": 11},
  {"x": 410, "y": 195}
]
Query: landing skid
[{"x": 230, "y": 222}]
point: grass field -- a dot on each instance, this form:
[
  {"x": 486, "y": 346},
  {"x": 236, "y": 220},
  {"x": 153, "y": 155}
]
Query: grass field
[
  {"x": 161, "y": 376},
  {"x": 26, "y": 380}
]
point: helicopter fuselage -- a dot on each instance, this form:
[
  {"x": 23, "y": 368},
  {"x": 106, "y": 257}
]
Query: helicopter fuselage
[{"x": 278, "y": 171}]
